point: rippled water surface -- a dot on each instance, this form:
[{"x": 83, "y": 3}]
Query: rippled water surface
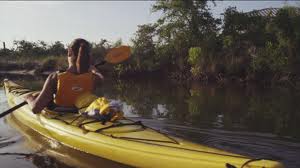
[{"x": 253, "y": 121}]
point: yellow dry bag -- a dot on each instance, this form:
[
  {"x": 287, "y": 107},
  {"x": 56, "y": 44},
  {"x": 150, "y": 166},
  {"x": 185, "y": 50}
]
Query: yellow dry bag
[{"x": 100, "y": 108}]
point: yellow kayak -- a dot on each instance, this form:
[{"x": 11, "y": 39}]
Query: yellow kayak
[
  {"x": 125, "y": 141},
  {"x": 61, "y": 155}
]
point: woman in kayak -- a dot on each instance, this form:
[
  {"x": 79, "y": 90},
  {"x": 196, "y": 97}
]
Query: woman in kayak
[{"x": 79, "y": 78}]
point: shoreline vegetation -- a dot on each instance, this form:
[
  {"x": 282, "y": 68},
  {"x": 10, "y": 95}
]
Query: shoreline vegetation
[{"x": 188, "y": 44}]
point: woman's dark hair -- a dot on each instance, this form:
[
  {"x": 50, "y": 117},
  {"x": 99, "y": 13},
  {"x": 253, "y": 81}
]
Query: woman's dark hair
[{"x": 81, "y": 50}]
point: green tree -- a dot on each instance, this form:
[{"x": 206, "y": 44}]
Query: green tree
[
  {"x": 195, "y": 60},
  {"x": 57, "y": 49},
  {"x": 24, "y": 47},
  {"x": 241, "y": 33},
  {"x": 144, "y": 48},
  {"x": 184, "y": 24},
  {"x": 98, "y": 50},
  {"x": 286, "y": 26},
  {"x": 118, "y": 43}
]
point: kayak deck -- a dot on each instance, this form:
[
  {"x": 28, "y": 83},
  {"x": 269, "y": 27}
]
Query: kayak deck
[
  {"x": 126, "y": 141},
  {"x": 58, "y": 153}
]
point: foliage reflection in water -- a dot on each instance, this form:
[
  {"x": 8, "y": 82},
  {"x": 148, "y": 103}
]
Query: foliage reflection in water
[{"x": 255, "y": 109}]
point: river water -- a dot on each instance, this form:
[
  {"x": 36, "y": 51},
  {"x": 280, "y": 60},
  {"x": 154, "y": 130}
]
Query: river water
[{"x": 254, "y": 121}]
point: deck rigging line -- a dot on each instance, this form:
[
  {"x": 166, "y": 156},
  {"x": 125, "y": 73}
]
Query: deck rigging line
[{"x": 100, "y": 131}]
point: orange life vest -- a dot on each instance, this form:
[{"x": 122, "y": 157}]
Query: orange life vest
[{"x": 70, "y": 86}]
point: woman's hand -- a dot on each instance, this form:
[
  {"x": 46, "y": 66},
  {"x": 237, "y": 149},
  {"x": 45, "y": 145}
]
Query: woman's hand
[
  {"x": 95, "y": 71},
  {"x": 30, "y": 99}
]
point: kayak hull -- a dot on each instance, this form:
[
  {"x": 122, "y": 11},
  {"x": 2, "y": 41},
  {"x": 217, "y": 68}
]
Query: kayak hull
[{"x": 134, "y": 145}]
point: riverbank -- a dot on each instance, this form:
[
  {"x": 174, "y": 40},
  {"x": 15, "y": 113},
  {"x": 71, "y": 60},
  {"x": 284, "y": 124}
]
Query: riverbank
[
  {"x": 12, "y": 66},
  {"x": 21, "y": 65},
  {"x": 44, "y": 68},
  {"x": 265, "y": 80}
]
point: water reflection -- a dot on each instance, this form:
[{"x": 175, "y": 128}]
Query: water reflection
[
  {"x": 254, "y": 121},
  {"x": 272, "y": 110},
  {"x": 38, "y": 160},
  {"x": 267, "y": 110}
]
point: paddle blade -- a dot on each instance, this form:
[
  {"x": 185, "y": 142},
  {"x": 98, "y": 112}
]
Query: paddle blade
[{"x": 117, "y": 55}]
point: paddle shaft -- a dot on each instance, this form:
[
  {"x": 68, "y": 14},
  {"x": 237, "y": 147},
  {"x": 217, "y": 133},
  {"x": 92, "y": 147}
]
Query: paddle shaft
[{"x": 12, "y": 109}]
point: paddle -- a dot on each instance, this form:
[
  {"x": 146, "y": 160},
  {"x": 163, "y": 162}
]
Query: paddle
[
  {"x": 12, "y": 109},
  {"x": 113, "y": 56}
]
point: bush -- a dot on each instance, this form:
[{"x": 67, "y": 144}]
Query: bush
[
  {"x": 195, "y": 60},
  {"x": 270, "y": 59},
  {"x": 194, "y": 55}
]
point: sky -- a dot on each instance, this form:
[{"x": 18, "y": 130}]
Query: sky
[{"x": 64, "y": 21}]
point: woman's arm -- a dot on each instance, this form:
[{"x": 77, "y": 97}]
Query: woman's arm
[
  {"x": 98, "y": 77},
  {"x": 38, "y": 103}
]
